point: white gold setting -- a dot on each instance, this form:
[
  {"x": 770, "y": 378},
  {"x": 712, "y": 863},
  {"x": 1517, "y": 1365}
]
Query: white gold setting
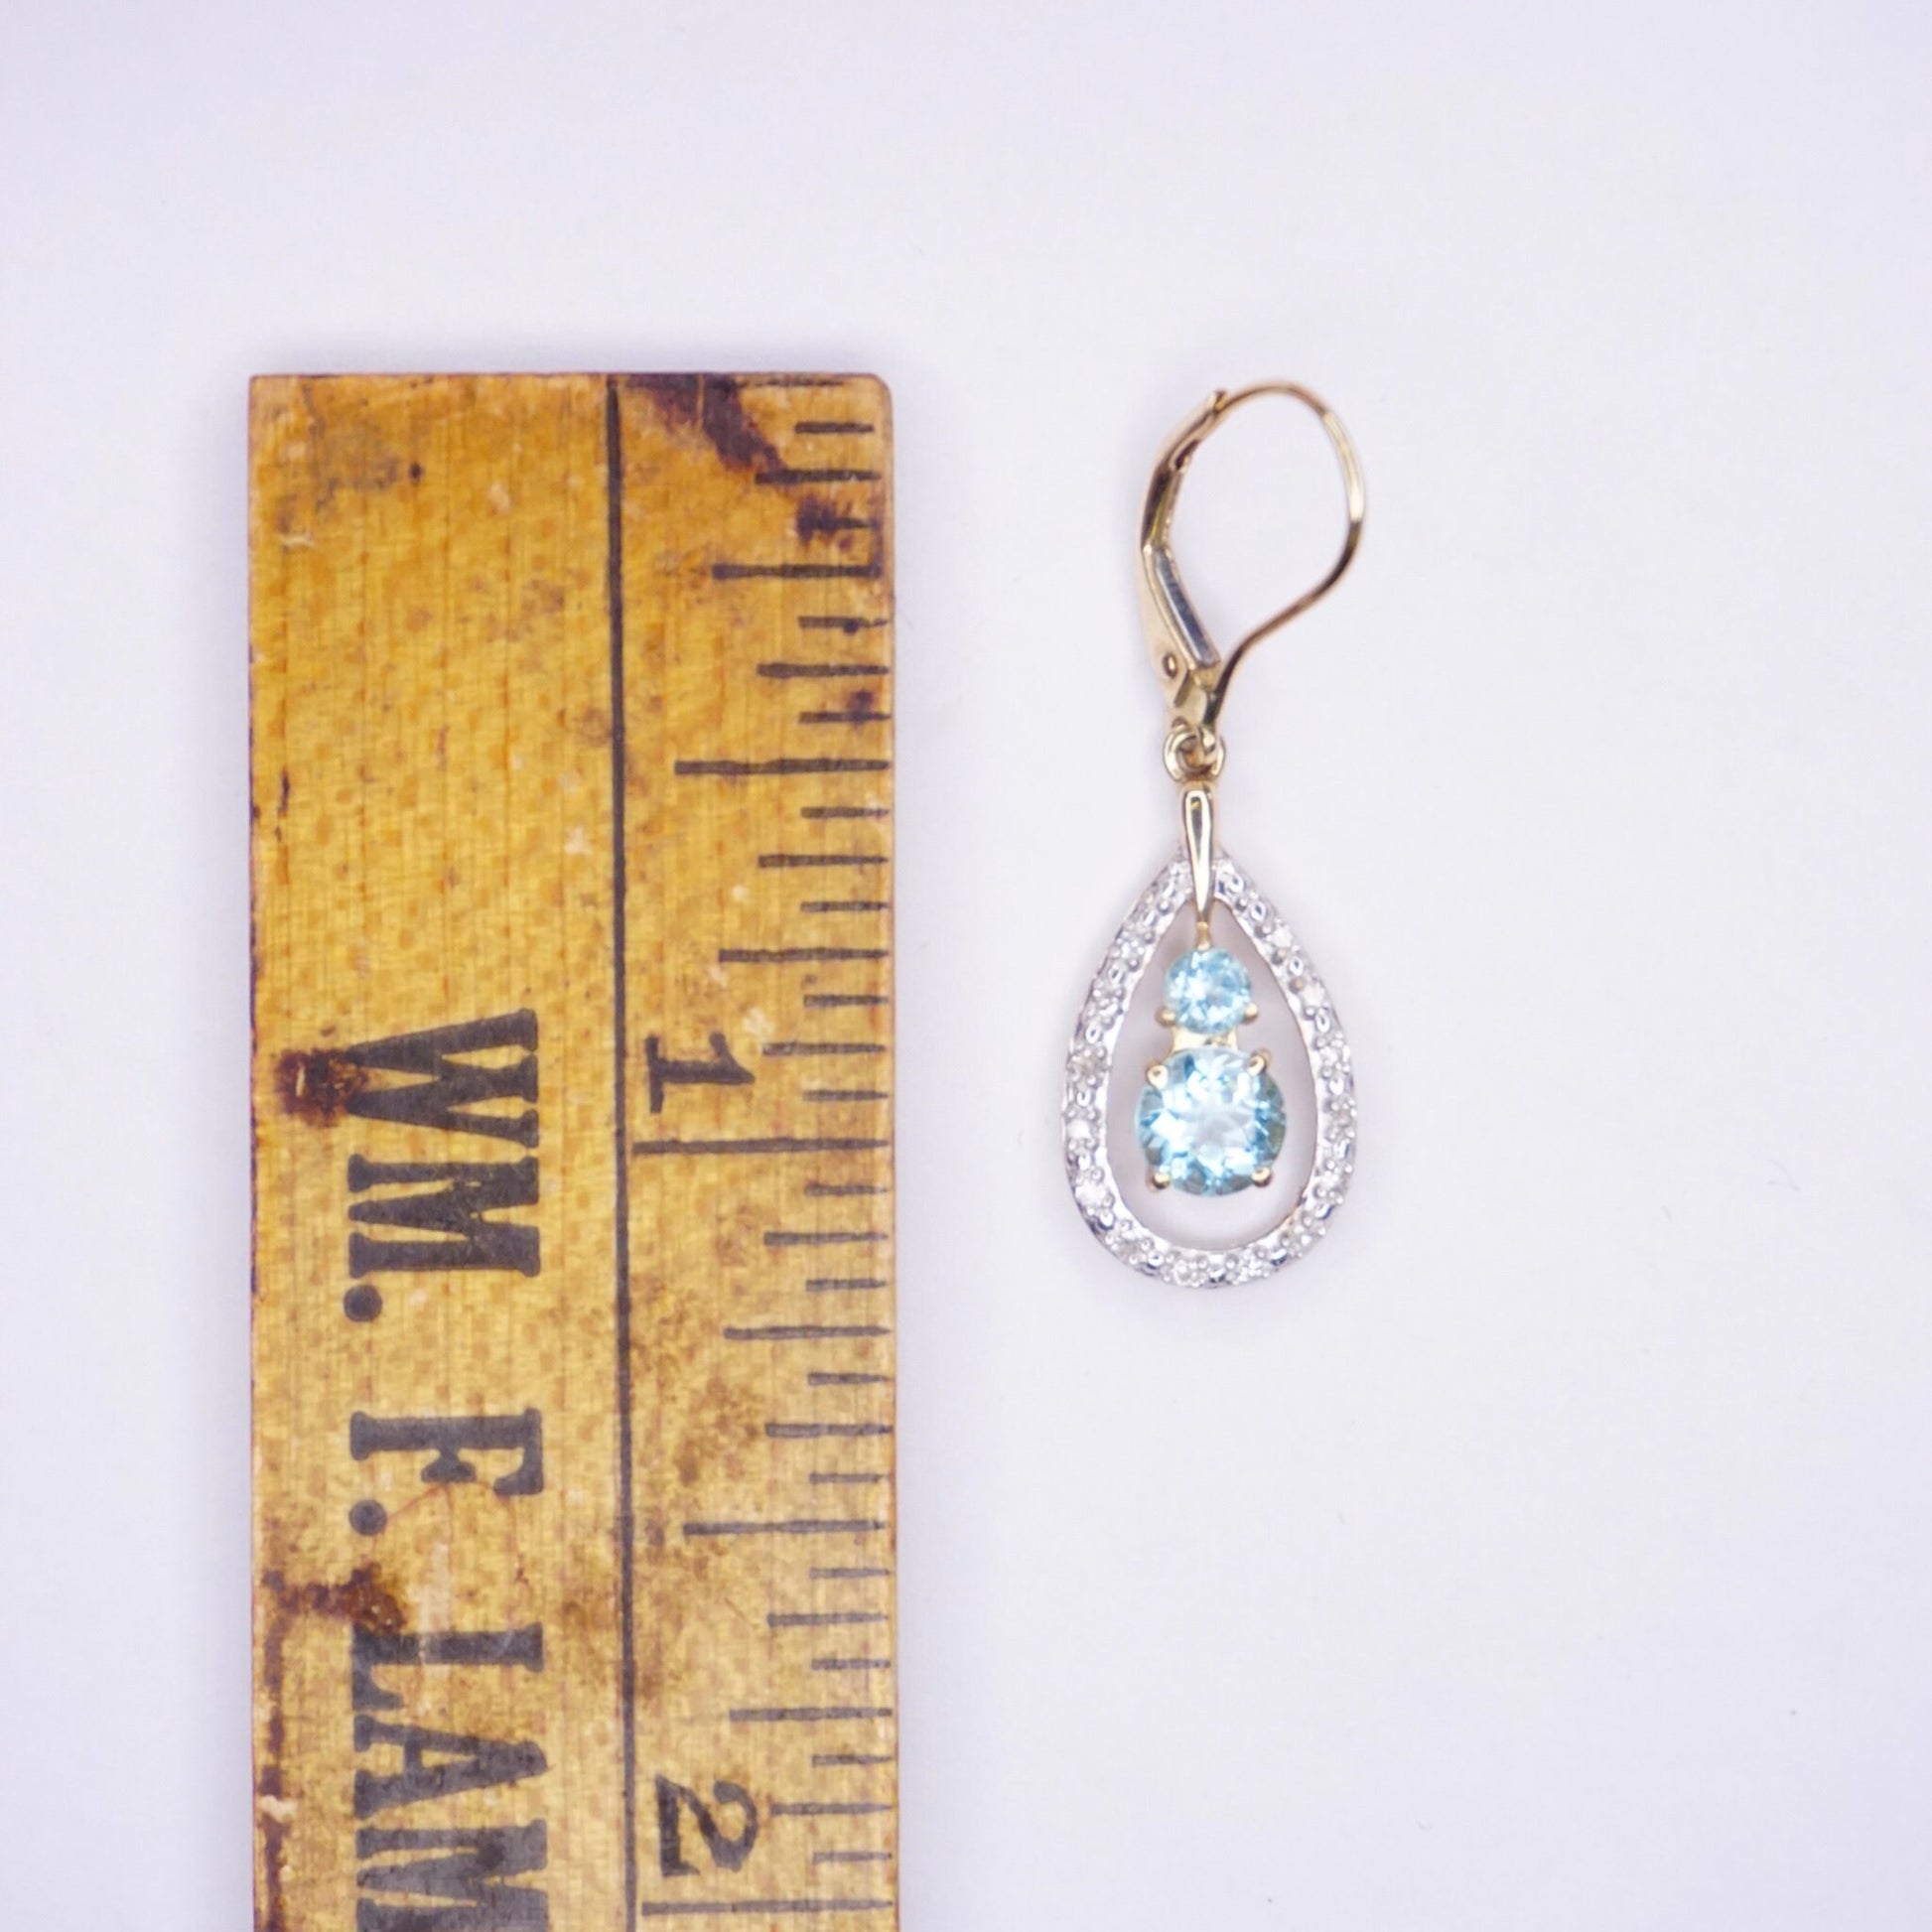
[{"x": 1090, "y": 1066}]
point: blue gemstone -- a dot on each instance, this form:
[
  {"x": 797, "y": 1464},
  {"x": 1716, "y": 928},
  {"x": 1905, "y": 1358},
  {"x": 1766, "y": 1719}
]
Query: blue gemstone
[
  {"x": 1207, "y": 991},
  {"x": 1212, "y": 1122}
]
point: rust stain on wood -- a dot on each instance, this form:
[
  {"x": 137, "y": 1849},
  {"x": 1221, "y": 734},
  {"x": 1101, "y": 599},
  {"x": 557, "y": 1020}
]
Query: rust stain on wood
[
  {"x": 715, "y": 405},
  {"x": 318, "y": 1085}
]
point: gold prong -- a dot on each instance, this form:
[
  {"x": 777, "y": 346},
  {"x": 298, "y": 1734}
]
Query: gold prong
[
  {"x": 1252, "y": 1012},
  {"x": 1156, "y": 1073},
  {"x": 1263, "y": 1175},
  {"x": 1159, "y": 1178},
  {"x": 1165, "y": 1016},
  {"x": 1258, "y": 1062}
]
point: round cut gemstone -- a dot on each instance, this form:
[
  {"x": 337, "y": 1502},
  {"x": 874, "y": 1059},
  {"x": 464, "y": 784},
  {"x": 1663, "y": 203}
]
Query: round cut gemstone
[
  {"x": 1212, "y": 1122},
  {"x": 1207, "y": 991}
]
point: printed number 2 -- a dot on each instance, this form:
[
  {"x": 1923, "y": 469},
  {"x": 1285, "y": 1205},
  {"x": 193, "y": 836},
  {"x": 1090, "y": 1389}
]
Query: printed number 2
[{"x": 673, "y": 1800}]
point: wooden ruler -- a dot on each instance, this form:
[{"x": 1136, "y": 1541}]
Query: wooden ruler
[{"x": 572, "y": 845}]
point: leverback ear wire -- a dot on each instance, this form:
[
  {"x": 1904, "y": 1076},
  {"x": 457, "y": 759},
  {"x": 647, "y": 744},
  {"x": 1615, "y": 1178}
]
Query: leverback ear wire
[{"x": 1193, "y": 672}]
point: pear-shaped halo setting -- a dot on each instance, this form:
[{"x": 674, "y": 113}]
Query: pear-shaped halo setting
[{"x": 1233, "y": 1116}]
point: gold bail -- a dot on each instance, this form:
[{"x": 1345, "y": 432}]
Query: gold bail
[{"x": 1193, "y": 672}]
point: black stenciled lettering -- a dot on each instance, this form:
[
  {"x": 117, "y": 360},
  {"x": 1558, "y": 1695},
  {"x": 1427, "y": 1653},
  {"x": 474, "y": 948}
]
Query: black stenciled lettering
[
  {"x": 437, "y": 1764},
  {"x": 372, "y": 1650},
  {"x": 472, "y": 1870},
  {"x": 451, "y": 1089},
  {"x": 456, "y": 1211},
  {"x": 721, "y": 1070},
  {"x": 447, "y": 1434},
  {"x": 673, "y": 1800}
]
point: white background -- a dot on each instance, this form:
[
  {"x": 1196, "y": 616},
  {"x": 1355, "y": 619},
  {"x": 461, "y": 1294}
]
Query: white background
[{"x": 1554, "y": 1548}]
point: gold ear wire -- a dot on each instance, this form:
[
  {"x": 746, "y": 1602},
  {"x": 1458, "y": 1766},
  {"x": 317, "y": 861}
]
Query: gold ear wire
[{"x": 1193, "y": 672}]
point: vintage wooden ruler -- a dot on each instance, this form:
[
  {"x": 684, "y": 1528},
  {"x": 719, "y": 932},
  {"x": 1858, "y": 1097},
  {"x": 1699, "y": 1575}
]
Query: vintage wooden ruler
[{"x": 573, "y": 1353}]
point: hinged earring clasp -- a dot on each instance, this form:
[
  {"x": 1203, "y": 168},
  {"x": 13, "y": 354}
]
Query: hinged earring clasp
[{"x": 1193, "y": 671}]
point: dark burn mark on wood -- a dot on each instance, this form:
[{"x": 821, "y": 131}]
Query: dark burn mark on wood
[
  {"x": 815, "y": 518},
  {"x": 714, "y": 405},
  {"x": 316, "y": 1086},
  {"x": 364, "y": 1602},
  {"x": 860, "y": 708}
]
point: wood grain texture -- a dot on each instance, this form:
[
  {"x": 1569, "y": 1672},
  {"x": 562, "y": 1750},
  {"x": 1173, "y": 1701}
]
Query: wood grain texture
[{"x": 574, "y": 1497}]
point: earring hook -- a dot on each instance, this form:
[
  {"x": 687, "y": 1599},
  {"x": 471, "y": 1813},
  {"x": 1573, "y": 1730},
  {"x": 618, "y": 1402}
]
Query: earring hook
[{"x": 1193, "y": 671}]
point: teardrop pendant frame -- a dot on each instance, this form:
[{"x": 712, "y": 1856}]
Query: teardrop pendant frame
[{"x": 1090, "y": 1069}]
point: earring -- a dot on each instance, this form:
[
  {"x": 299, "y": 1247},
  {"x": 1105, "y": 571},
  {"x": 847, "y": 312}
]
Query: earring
[{"x": 1211, "y": 1119}]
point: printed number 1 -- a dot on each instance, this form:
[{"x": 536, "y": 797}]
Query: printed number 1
[{"x": 721, "y": 1070}]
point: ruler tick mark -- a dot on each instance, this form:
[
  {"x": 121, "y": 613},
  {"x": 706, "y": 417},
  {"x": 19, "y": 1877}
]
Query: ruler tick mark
[
  {"x": 831, "y": 427},
  {"x": 845, "y": 1000},
  {"x": 805, "y": 956},
  {"x": 822, "y": 1758},
  {"x": 809, "y": 1713},
  {"x": 793, "y": 861},
  {"x": 779, "y": 667},
  {"x": 770, "y": 1144},
  {"x": 813, "y": 1431},
  {"x": 819, "y": 1237},
  {"x": 755, "y": 1907},
  {"x": 773, "y": 767},
  {"x": 813, "y": 1620},
  {"x": 837, "y": 1284},
  {"x": 789, "y": 1526},
  {"x": 794, "y": 573},
  {"x": 825, "y": 1379},
  {"x": 852, "y": 1663},
  {"x": 847, "y": 1576},
  {"x": 815, "y": 1808},
  {"x": 777, "y": 1049},
  {"x": 808, "y": 1332},
  {"x": 787, "y": 476}
]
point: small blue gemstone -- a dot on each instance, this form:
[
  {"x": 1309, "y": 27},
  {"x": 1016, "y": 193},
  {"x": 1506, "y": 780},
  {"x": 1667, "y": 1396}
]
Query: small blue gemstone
[
  {"x": 1207, "y": 991},
  {"x": 1212, "y": 1122}
]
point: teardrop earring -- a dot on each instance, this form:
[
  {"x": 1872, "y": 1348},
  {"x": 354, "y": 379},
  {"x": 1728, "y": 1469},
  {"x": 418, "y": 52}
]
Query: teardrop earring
[{"x": 1211, "y": 1118}]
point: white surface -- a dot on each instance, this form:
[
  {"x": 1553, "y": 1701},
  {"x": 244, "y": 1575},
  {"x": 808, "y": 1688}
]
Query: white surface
[{"x": 1554, "y": 1548}]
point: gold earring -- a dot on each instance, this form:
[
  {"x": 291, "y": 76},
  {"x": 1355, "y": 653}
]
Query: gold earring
[{"x": 1211, "y": 1118}]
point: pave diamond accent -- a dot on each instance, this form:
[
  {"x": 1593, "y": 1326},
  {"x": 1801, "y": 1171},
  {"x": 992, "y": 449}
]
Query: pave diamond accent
[{"x": 1089, "y": 1065}]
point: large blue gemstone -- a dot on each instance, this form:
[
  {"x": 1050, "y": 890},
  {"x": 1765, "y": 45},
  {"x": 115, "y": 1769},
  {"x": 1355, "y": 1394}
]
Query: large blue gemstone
[
  {"x": 1207, "y": 991},
  {"x": 1212, "y": 1122}
]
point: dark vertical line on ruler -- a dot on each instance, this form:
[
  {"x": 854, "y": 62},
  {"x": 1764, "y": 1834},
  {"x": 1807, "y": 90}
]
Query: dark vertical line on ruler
[{"x": 626, "y": 1553}]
